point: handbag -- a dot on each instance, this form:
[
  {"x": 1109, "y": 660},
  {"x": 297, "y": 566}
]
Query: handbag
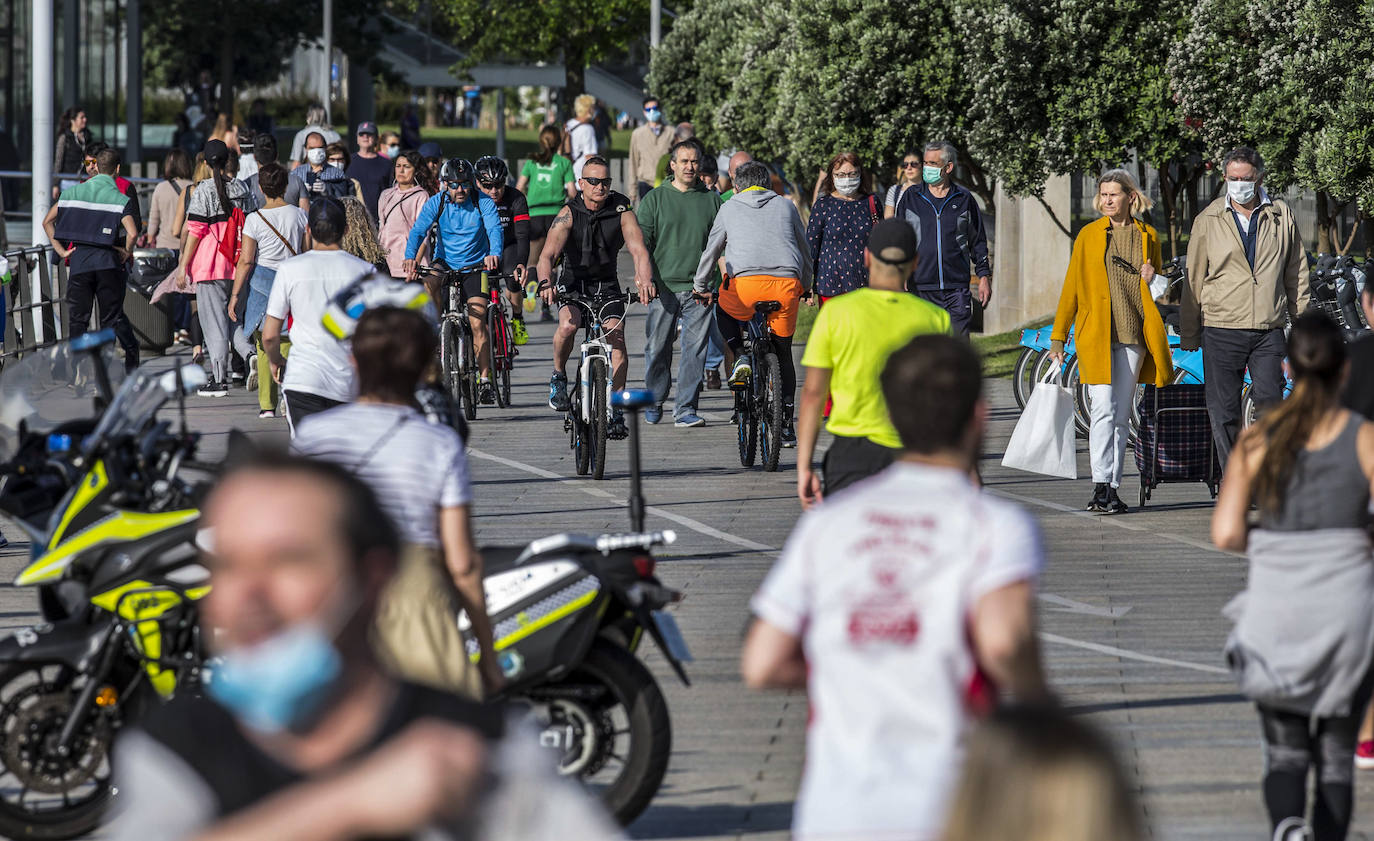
[{"x": 1043, "y": 440}]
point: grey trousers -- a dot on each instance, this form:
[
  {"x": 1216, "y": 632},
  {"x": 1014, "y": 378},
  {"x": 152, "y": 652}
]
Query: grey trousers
[
  {"x": 660, "y": 330},
  {"x": 212, "y": 304}
]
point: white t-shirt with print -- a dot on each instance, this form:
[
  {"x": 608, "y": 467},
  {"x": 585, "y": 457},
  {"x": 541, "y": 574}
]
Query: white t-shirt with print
[
  {"x": 319, "y": 364},
  {"x": 879, "y": 584},
  {"x": 413, "y": 466},
  {"x": 290, "y": 222},
  {"x": 582, "y": 143}
]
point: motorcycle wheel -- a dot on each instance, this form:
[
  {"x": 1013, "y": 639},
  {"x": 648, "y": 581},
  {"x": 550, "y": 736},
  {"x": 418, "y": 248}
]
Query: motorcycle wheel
[
  {"x": 52, "y": 797},
  {"x": 631, "y": 708}
]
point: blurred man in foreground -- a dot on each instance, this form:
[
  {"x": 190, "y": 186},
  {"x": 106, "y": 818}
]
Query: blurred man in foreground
[
  {"x": 901, "y": 604},
  {"x": 302, "y": 735}
]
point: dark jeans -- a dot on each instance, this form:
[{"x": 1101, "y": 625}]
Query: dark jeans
[
  {"x": 851, "y": 460},
  {"x": 302, "y": 404},
  {"x": 957, "y": 302},
  {"x": 1294, "y": 743},
  {"x": 1226, "y": 353},
  {"x": 104, "y": 288}
]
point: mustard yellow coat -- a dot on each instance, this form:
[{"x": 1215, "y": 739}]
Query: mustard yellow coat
[{"x": 1086, "y": 304}]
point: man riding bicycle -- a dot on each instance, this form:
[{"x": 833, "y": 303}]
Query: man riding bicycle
[
  {"x": 467, "y": 232},
  {"x": 589, "y": 232},
  {"x": 493, "y": 180},
  {"x": 766, "y": 259}
]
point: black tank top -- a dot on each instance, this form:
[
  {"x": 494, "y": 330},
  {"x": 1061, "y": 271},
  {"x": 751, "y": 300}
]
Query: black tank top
[{"x": 595, "y": 239}]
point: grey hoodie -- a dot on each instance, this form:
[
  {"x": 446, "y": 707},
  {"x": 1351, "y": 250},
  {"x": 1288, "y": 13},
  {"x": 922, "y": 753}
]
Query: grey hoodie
[{"x": 761, "y": 233}]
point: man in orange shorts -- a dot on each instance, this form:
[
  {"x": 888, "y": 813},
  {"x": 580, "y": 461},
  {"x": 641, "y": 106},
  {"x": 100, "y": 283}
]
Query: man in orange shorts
[{"x": 766, "y": 259}]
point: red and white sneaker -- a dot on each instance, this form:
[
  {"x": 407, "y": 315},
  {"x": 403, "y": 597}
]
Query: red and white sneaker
[{"x": 1364, "y": 756}]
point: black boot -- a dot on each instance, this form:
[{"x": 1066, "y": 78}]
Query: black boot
[
  {"x": 1114, "y": 503},
  {"x": 1100, "y": 499}
]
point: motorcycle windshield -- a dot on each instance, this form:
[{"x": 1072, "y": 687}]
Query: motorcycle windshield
[
  {"x": 47, "y": 388},
  {"x": 143, "y": 392}
]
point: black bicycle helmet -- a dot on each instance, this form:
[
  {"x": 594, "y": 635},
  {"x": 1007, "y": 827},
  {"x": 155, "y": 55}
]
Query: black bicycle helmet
[
  {"x": 456, "y": 169},
  {"x": 492, "y": 170}
]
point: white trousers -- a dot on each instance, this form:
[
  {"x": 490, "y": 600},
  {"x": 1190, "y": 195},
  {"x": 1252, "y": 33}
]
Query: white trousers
[{"x": 1109, "y": 412}]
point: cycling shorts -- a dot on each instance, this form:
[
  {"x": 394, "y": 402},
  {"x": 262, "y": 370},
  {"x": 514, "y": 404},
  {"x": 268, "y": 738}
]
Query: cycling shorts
[
  {"x": 539, "y": 225},
  {"x": 473, "y": 285},
  {"x": 738, "y": 295},
  {"x": 607, "y": 297}
]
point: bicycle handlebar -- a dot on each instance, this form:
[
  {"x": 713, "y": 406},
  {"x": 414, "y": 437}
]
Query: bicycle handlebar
[{"x": 444, "y": 271}]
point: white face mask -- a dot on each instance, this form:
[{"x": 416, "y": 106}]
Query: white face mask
[
  {"x": 1241, "y": 192},
  {"x": 315, "y": 156},
  {"x": 393, "y": 150},
  {"x": 847, "y": 186}
]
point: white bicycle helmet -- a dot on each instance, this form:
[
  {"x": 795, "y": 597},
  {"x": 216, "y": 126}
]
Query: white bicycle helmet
[{"x": 344, "y": 309}]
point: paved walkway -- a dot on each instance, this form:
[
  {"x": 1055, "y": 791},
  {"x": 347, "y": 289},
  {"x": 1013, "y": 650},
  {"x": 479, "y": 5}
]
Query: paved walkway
[{"x": 1131, "y": 620}]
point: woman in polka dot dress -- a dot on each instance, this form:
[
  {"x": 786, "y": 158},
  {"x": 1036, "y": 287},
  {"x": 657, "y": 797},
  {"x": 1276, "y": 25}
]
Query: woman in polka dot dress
[{"x": 840, "y": 222}]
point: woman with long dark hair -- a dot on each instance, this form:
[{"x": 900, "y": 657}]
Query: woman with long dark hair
[
  {"x": 214, "y": 225},
  {"x": 399, "y": 206},
  {"x": 1303, "y": 643},
  {"x": 69, "y": 156}
]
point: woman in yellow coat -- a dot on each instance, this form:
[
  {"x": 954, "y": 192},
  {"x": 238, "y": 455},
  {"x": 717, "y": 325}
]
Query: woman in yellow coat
[{"x": 1117, "y": 327}]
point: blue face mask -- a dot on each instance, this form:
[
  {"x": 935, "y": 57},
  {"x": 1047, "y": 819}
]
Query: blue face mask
[
  {"x": 654, "y": 115},
  {"x": 278, "y": 684}
]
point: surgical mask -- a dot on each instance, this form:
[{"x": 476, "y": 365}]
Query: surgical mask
[
  {"x": 315, "y": 156},
  {"x": 1241, "y": 192},
  {"x": 847, "y": 186},
  {"x": 654, "y": 115},
  {"x": 931, "y": 174},
  {"x": 393, "y": 150},
  {"x": 280, "y": 683}
]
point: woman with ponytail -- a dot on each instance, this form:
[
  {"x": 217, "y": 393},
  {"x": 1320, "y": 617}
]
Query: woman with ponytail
[
  {"x": 1303, "y": 643},
  {"x": 214, "y": 228}
]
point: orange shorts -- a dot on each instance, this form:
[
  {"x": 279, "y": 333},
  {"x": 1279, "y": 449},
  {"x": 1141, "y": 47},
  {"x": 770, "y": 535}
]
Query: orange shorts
[{"x": 738, "y": 295}]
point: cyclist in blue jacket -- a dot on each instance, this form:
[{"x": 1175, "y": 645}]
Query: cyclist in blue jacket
[{"x": 467, "y": 234}]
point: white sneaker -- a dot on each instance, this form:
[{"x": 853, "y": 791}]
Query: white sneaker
[
  {"x": 250, "y": 383},
  {"x": 1293, "y": 829},
  {"x": 741, "y": 374}
]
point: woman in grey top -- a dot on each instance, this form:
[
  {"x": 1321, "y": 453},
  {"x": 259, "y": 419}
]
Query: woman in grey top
[{"x": 1304, "y": 637}]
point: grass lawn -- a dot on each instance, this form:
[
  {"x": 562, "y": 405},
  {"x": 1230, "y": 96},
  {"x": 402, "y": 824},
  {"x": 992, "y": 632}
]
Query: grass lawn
[{"x": 520, "y": 143}]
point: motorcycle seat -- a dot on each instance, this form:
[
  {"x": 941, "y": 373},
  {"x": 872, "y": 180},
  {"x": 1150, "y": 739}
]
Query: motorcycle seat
[
  {"x": 499, "y": 558},
  {"x": 503, "y": 558}
]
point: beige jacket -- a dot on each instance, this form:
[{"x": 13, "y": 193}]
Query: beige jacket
[
  {"x": 645, "y": 151},
  {"x": 1222, "y": 289}
]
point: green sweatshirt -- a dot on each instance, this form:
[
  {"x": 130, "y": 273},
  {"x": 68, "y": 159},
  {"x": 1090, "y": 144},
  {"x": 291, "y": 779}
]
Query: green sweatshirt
[{"x": 676, "y": 226}]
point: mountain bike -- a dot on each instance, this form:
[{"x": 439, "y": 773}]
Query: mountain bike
[
  {"x": 502, "y": 341},
  {"x": 460, "y": 371},
  {"x": 588, "y": 421},
  {"x": 759, "y": 404}
]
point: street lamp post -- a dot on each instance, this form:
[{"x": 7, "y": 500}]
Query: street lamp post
[
  {"x": 655, "y": 22},
  {"x": 41, "y": 121},
  {"x": 327, "y": 80}
]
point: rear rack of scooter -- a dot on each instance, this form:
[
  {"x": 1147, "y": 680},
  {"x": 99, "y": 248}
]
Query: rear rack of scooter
[{"x": 605, "y": 544}]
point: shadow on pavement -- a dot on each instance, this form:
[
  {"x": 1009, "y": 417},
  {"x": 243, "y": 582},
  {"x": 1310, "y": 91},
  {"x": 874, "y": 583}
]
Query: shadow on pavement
[{"x": 670, "y": 821}]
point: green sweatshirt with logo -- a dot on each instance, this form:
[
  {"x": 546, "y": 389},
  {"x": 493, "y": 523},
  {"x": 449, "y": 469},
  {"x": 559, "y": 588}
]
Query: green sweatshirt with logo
[{"x": 676, "y": 225}]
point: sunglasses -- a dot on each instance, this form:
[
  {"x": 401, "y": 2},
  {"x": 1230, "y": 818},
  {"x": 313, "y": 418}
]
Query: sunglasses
[
  {"x": 457, "y": 185},
  {"x": 597, "y": 182},
  {"x": 911, "y": 164},
  {"x": 489, "y": 185}
]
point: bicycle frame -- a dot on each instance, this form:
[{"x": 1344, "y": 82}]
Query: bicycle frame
[{"x": 595, "y": 345}]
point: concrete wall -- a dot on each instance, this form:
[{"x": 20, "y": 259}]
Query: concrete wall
[{"x": 1031, "y": 258}]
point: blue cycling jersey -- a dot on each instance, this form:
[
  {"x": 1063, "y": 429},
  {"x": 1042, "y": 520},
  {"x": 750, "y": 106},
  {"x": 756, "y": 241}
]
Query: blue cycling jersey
[{"x": 467, "y": 233}]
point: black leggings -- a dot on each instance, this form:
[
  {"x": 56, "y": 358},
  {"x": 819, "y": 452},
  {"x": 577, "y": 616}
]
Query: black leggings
[
  {"x": 731, "y": 332},
  {"x": 1292, "y": 744}
]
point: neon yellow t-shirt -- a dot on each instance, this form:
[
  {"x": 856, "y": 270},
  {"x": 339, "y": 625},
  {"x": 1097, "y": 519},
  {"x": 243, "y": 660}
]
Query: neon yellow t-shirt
[{"x": 853, "y": 336}]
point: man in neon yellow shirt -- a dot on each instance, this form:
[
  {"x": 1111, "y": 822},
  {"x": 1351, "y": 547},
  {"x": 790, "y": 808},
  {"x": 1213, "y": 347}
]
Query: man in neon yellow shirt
[{"x": 849, "y": 345}]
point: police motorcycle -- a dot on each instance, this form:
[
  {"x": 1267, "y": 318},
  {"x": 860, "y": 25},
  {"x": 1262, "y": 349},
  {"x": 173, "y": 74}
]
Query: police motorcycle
[
  {"x": 569, "y": 613},
  {"x": 108, "y": 497}
]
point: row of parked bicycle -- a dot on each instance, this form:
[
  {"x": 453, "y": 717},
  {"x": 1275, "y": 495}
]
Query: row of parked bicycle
[{"x": 1336, "y": 285}]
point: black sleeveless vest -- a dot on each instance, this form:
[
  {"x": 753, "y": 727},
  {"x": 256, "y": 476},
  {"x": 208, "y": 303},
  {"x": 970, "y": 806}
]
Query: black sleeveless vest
[{"x": 595, "y": 239}]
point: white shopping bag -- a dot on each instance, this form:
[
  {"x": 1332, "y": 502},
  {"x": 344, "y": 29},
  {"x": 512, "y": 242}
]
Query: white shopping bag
[{"x": 1043, "y": 441}]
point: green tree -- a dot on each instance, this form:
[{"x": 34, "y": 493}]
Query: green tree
[{"x": 579, "y": 32}]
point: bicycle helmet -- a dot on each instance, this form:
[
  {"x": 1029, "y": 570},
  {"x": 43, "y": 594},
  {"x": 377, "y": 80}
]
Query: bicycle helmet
[
  {"x": 344, "y": 309},
  {"x": 492, "y": 169},
  {"x": 456, "y": 169}
]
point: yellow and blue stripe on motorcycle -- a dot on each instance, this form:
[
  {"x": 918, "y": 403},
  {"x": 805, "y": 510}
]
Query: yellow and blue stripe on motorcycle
[
  {"x": 540, "y": 615},
  {"x": 119, "y": 526}
]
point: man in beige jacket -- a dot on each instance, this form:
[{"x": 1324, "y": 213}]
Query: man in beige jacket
[
  {"x": 648, "y": 144},
  {"x": 1246, "y": 281}
]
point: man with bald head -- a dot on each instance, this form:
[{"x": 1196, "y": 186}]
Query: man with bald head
[{"x": 735, "y": 161}]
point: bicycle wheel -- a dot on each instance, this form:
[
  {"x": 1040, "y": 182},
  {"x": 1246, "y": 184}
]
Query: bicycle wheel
[
  {"x": 469, "y": 375},
  {"x": 498, "y": 335},
  {"x": 770, "y": 412},
  {"x": 601, "y": 421},
  {"x": 744, "y": 427},
  {"x": 1023, "y": 375},
  {"x": 1082, "y": 411},
  {"x": 450, "y": 360}
]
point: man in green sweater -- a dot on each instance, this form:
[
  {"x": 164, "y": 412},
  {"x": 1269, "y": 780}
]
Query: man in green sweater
[{"x": 676, "y": 219}]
